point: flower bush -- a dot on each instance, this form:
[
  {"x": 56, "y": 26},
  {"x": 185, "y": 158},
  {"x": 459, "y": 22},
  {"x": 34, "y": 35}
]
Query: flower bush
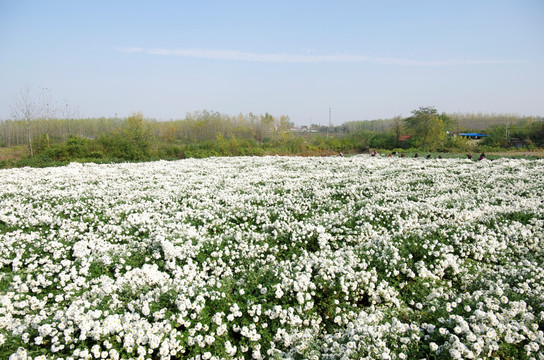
[{"x": 273, "y": 257}]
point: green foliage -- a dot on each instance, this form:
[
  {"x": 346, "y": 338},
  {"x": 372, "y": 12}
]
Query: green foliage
[
  {"x": 137, "y": 131},
  {"x": 428, "y": 128},
  {"x": 290, "y": 145},
  {"x": 459, "y": 144},
  {"x": 529, "y": 133},
  {"x": 496, "y": 137},
  {"x": 537, "y": 133},
  {"x": 237, "y": 147},
  {"x": 56, "y": 153},
  {"x": 202, "y": 150},
  {"x": 170, "y": 151},
  {"x": 206, "y": 134},
  {"x": 76, "y": 146},
  {"x": 133, "y": 141},
  {"x": 118, "y": 147},
  {"x": 41, "y": 143},
  {"x": 53, "y": 157},
  {"x": 382, "y": 141}
]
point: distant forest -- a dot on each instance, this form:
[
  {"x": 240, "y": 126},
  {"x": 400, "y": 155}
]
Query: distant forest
[
  {"x": 206, "y": 125},
  {"x": 48, "y": 141},
  {"x": 464, "y": 122}
]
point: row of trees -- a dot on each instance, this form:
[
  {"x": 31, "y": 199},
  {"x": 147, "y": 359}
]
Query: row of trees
[
  {"x": 198, "y": 126},
  {"x": 463, "y": 122},
  {"x": 36, "y": 116},
  {"x": 48, "y": 127},
  {"x": 16, "y": 132},
  {"x": 205, "y": 125},
  {"x": 137, "y": 139},
  {"x": 427, "y": 127}
]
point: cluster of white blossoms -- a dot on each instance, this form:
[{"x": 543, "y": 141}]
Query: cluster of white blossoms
[{"x": 273, "y": 257}]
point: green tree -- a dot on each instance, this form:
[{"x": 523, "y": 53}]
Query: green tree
[
  {"x": 537, "y": 132},
  {"x": 268, "y": 121},
  {"x": 77, "y": 146},
  {"x": 285, "y": 124},
  {"x": 133, "y": 141},
  {"x": 428, "y": 128},
  {"x": 397, "y": 129},
  {"x": 139, "y": 135}
]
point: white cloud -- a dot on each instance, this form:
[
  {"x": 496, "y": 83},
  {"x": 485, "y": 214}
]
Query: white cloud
[{"x": 305, "y": 57}]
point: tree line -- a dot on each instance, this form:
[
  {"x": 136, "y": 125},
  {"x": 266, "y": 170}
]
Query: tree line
[
  {"x": 205, "y": 134},
  {"x": 205, "y": 125},
  {"x": 197, "y": 126},
  {"x": 55, "y": 134}
]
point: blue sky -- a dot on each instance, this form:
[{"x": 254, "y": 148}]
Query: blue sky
[{"x": 363, "y": 59}]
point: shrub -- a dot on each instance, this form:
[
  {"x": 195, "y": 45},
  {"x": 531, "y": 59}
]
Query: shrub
[
  {"x": 77, "y": 146},
  {"x": 170, "y": 151}
]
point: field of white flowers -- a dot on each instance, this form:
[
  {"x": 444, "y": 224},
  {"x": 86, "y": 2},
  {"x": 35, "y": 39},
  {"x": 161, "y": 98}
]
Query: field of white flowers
[{"x": 274, "y": 257}]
